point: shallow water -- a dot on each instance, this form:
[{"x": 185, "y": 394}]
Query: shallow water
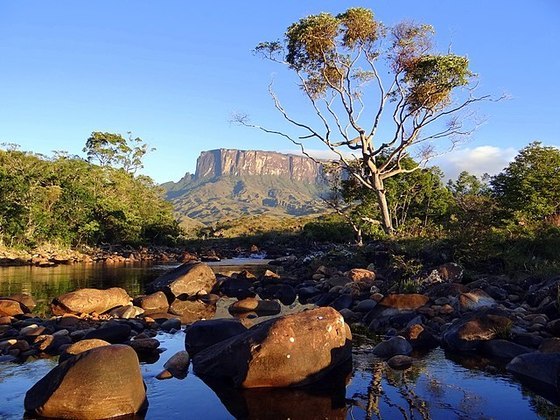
[{"x": 435, "y": 387}]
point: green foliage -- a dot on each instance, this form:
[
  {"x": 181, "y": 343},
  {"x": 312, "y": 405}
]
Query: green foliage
[
  {"x": 330, "y": 228},
  {"x": 529, "y": 188},
  {"x": 110, "y": 149},
  {"x": 67, "y": 201}
]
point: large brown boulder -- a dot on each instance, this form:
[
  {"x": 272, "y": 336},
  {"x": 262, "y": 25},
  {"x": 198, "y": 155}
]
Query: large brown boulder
[
  {"x": 100, "y": 383},
  {"x": 188, "y": 279},
  {"x": 154, "y": 303},
  {"x": 82, "y": 346},
  {"x": 89, "y": 300},
  {"x": 293, "y": 350}
]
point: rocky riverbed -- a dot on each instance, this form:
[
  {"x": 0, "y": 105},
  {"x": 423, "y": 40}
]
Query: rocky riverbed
[{"x": 516, "y": 324}]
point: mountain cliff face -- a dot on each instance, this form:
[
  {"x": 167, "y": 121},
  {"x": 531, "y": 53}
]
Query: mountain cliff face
[
  {"x": 234, "y": 163},
  {"x": 230, "y": 183}
]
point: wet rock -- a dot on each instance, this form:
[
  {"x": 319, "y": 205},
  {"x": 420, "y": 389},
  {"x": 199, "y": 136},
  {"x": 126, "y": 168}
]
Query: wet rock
[
  {"x": 156, "y": 302},
  {"x": 171, "y": 324},
  {"x": 400, "y": 362},
  {"x": 504, "y": 349},
  {"x": 144, "y": 345},
  {"x": 261, "y": 307},
  {"x": 126, "y": 312},
  {"x": 10, "y": 307},
  {"x": 203, "y": 334},
  {"x": 543, "y": 368},
  {"x": 420, "y": 337},
  {"x": 187, "y": 279},
  {"x": 392, "y": 347},
  {"x": 239, "y": 287},
  {"x": 477, "y": 299},
  {"x": 527, "y": 339},
  {"x": 276, "y": 353},
  {"x": 80, "y": 347},
  {"x": 88, "y": 301},
  {"x": 467, "y": 333},
  {"x": 308, "y": 292},
  {"x": 100, "y": 383},
  {"x": 283, "y": 292},
  {"x": 25, "y": 299},
  {"x": 112, "y": 332},
  {"x": 178, "y": 364}
]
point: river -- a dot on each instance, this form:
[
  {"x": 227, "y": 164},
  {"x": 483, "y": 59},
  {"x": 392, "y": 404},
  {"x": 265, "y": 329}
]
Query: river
[{"x": 437, "y": 386}]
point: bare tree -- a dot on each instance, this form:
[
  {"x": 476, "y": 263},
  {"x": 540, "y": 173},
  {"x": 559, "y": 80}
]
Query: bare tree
[{"x": 378, "y": 93}]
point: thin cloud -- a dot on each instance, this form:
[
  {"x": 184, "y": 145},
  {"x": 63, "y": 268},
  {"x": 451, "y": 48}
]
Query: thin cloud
[{"x": 477, "y": 160}]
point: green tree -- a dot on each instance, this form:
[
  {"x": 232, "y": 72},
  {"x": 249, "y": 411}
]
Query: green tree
[
  {"x": 530, "y": 185},
  {"x": 351, "y": 61},
  {"x": 110, "y": 149}
]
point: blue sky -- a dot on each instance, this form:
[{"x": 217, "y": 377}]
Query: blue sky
[{"x": 172, "y": 72}]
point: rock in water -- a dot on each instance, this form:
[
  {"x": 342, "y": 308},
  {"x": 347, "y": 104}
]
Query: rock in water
[
  {"x": 89, "y": 300},
  {"x": 469, "y": 332},
  {"x": 293, "y": 350},
  {"x": 178, "y": 364},
  {"x": 100, "y": 383},
  {"x": 203, "y": 334},
  {"x": 393, "y": 347},
  {"x": 187, "y": 279},
  {"x": 154, "y": 303},
  {"x": 542, "y": 368}
]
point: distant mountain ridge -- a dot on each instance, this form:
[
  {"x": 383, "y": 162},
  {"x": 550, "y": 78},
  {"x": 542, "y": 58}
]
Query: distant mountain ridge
[{"x": 230, "y": 183}]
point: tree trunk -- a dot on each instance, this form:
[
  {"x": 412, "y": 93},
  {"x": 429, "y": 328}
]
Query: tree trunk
[{"x": 386, "y": 221}]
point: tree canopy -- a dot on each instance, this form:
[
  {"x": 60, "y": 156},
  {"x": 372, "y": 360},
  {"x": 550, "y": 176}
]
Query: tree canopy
[{"x": 359, "y": 76}]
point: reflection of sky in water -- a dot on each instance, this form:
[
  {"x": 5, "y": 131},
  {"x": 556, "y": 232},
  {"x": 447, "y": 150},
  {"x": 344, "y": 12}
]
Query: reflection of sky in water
[{"x": 436, "y": 386}]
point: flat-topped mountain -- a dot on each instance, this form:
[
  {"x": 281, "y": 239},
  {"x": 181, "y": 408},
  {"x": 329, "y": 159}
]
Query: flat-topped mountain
[
  {"x": 230, "y": 183},
  {"x": 235, "y": 163}
]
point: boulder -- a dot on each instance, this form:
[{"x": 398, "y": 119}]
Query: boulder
[
  {"x": 89, "y": 300},
  {"x": 178, "y": 364},
  {"x": 154, "y": 303},
  {"x": 239, "y": 287},
  {"x": 542, "y": 368},
  {"x": 360, "y": 275},
  {"x": 392, "y": 347},
  {"x": 420, "y": 337},
  {"x": 468, "y": 333},
  {"x": 477, "y": 299},
  {"x": 80, "y": 347},
  {"x": 100, "y": 383},
  {"x": 404, "y": 302},
  {"x": 10, "y": 307},
  {"x": 203, "y": 334},
  {"x": 261, "y": 307},
  {"x": 280, "y": 352},
  {"x": 112, "y": 332},
  {"x": 188, "y": 279},
  {"x": 283, "y": 292},
  {"x": 504, "y": 349},
  {"x": 25, "y": 299}
]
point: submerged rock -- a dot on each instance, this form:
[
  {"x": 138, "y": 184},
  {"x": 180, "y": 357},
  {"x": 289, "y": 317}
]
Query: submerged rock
[
  {"x": 100, "y": 383},
  {"x": 293, "y": 350},
  {"x": 543, "y": 368}
]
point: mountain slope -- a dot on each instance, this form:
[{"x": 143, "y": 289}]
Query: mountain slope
[{"x": 229, "y": 184}]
